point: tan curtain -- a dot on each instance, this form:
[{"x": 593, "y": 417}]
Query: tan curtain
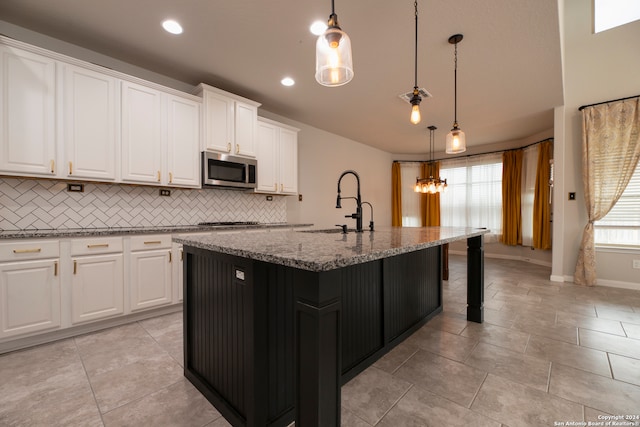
[
  {"x": 396, "y": 195},
  {"x": 511, "y": 197},
  {"x": 610, "y": 153},
  {"x": 541, "y": 199},
  {"x": 430, "y": 203}
]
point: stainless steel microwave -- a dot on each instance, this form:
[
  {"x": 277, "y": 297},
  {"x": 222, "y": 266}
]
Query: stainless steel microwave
[{"x": 226, "y": 171}]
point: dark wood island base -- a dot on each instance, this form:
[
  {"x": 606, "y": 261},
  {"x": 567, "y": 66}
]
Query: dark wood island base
[{"x": 269, "y": 343}]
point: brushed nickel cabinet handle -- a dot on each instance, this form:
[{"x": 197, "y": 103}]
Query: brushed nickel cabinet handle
[
  {"x": 237, "y": 148},
  {"x": 169, "y": 257},
  {"x": 70, "y": 168},
  {"x": 53, "y": 166},
  {"x": 98, "y": 245},
  {"x": 228, "y": 147},
  {"x": 27, "y": 251},
  {"x": 158, "y": 176},
  {"x": 170, "y": 177},
  {"x": 55, "y": 268},
  {"x": 75, "y": 266},
  {"x": 152, "y": 242}
]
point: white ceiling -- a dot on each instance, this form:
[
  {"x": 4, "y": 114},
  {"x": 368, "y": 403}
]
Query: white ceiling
[{"x": 509, "y": 63}]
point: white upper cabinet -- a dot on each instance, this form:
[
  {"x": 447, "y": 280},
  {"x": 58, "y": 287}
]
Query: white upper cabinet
[
  {"x": 90, "y": 107},
  {"x": 229, "y": 122},
  {"x": 277, "y": 150},
  {"x": 183, "y": 142},
  {"x": 142, "y": 142},
  {"x": 27, "y": 113},
  {"x": 65, "y": 118}
]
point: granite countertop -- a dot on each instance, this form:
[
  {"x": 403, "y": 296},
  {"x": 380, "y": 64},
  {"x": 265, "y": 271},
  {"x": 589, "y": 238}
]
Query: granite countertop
[
  {"x": 317, "y": 251},
  {"x": 119, "y": 231}
]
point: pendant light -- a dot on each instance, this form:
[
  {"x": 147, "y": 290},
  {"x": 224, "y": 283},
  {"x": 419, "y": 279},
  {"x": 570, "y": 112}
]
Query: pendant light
[
  {"x": 334, "y": 66},
  {"x": 415, "y": 99},
  {"x": 430, "y": 185},
  {"x": 455, "y": 139}
]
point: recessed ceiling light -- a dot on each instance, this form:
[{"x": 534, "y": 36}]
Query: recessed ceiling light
[
  {"x": 287, "y": 81},
  {"x": 318, "y": 28},
  {"x": 172, "y": 26}
]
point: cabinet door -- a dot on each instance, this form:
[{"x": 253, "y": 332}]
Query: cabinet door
[
  {"x": 183, "y": 142},
  {"x": 218, "y": 120},
  {"x": 266, "y": 155},
  {"x": 288, "y": 157},
  {"x": 97, "y": 287},
  {"x": 150, "y": 279},
  {"x": 89, "y": 124},
  {"x": 27, "y": 113},
  {"x": 142, "y": 143},
  {"x": 246, "y": 119},
  {"x": 29, "y": 297}
]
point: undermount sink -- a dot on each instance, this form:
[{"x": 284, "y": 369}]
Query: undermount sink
[{"x": 330, "y": 231}]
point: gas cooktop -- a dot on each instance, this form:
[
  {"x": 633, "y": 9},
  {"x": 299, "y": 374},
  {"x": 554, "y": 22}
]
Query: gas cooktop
[{"x": 229, "y": 223}]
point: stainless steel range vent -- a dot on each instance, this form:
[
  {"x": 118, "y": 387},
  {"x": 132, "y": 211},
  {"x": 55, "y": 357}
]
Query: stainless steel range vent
[{"x": 406, "y": 97}]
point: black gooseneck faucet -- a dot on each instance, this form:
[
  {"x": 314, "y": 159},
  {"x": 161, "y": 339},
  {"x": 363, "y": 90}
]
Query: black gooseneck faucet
[{"x": 358, "y": 214}]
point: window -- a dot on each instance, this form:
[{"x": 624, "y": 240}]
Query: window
[
  {"x": 621, "y": 226},
  {"x": 529, "y": 169},
  {"x": 474, "y": 194},
  {"x": 410, "y": 199},
  {"x": 614, "y": 13}
]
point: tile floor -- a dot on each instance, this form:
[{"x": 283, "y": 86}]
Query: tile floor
[{"x": 547, "y": 354}]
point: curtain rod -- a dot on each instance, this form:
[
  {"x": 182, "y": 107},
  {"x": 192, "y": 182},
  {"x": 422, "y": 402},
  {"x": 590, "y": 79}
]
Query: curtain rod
[
  {"x": 474, "y": 155},
  {"x": 606, "y": 102}
]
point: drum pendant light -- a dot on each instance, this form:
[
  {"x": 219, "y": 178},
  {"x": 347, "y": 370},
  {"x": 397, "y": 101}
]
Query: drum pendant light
[
  {"x": 334, "y": 65},
  {"x": 456, "y": 142}
]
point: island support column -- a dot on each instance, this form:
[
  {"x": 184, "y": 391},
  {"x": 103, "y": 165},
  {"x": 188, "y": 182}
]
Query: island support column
[
  {"x": 318, "y": 349},
  {"x": 475, "y": 279}
]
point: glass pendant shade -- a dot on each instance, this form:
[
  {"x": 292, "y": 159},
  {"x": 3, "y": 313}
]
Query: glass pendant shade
[
  {"x": 456, "y": 142},
  {"x": 334, "y": 65}
]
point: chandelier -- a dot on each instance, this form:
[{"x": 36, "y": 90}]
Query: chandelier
[{"x": 430, "y": 185}]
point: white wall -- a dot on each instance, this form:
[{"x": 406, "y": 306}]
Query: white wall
[{"x": 597, "y": 67}]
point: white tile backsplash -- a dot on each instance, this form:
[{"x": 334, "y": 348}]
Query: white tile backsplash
[{"x": 46, "y": 204}]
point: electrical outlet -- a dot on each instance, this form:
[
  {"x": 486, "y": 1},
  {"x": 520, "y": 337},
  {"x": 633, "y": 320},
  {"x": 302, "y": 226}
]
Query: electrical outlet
[
  {"x": 299, "y": 197},
  {"x": 572, "y": 196},
  {"x": 75, "y": 187},
  {"x": 269, "y": 198},
  {"x": 165, "y": 192},
  {"x": 636, "y": 263}
]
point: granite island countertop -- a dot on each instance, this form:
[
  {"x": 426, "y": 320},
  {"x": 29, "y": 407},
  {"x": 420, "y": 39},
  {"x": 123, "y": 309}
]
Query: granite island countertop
[
  {"x": 122, "y": 231},
  {"x": 315, "y": 250}
]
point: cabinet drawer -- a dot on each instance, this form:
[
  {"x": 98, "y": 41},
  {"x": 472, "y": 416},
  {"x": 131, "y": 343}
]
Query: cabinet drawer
[
  {"x": 29, "y": 249},
  {"x": 150, "y": 241},
  {"x": 96, "y": 245}
]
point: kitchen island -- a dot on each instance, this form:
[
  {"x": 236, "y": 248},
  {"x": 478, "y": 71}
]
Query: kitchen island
[{"x": 274, "y": 324}]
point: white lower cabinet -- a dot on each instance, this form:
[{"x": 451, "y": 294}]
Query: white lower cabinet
[
  {"x": 97, "y": 281},
  {"x": 29, "y": 287},
  {"x": 150, "y": 275}
]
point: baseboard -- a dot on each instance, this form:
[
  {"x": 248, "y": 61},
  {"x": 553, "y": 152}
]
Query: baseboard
[
  {"x": 509, "y": 257},
  {"x": 618, "y": 284},
  {"x": 555, "y": 278},
  {"x": 17, "y": 343}
]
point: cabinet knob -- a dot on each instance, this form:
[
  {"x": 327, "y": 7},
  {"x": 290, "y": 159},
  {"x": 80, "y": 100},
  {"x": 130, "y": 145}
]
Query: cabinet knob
[
  {"x": 70, "y": 168},
  {"x": 53, "y": 166}
]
